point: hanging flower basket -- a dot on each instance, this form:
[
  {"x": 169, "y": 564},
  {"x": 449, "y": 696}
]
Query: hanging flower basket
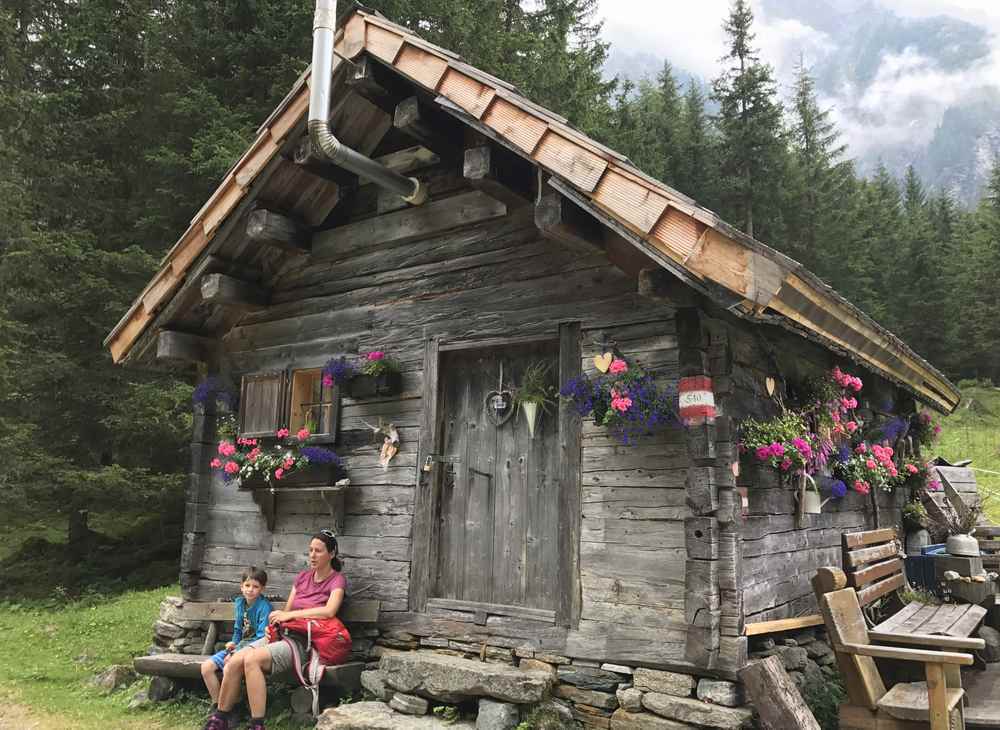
[
  {"x": 376, "y": 376},
  {"x": 248, "y": 462}
]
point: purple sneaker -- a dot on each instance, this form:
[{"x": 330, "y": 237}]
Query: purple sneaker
[{"x": 217, "y": 722}]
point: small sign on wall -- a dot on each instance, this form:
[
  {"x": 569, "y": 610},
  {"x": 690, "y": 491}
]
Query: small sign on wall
[{"x": 696, "y": 400}]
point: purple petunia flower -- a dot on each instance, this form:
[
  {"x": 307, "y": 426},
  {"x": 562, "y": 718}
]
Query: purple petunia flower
[{"x": 319, "y": 455}]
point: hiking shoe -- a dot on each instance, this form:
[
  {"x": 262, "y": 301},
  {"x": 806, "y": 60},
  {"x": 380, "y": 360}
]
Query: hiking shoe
[{"x": 217, "y": 722}]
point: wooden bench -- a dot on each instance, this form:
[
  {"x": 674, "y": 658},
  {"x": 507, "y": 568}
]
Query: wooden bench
[
  {"x": 935, "y": 703},
  {"x": 873, "y": 567},
  {"x": 219, "y": 616},
  {"x": 989, "y": 545}
]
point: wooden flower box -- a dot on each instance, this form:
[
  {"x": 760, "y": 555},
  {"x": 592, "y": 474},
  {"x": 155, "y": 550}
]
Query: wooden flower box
[{"x": 374, "y": 386}]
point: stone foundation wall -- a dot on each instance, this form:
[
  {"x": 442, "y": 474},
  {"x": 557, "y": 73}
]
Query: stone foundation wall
[{"x": 588, "y": 693}]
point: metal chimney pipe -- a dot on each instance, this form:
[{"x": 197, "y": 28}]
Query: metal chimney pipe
[{"x": 324, "y": 23}]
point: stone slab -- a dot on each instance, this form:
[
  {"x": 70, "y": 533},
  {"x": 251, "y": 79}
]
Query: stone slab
[
  {"x": 670, "y": 683},
  {"x": 624, "y": 720},
  {"x": 589, "y": 678},
  {"x": 379, "y": 716},
  {"x": 495, "y": 715},
  {"x": 720, "y": 692},
  {"x": 696, "y": 712},
  {"x": 408, "y": 704},
  {"x": 454, "y": 679},
  {"x": 604, "y": 700}
]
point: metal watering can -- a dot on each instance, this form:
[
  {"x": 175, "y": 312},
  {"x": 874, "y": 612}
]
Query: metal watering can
[{"x": 812, "y": 501}]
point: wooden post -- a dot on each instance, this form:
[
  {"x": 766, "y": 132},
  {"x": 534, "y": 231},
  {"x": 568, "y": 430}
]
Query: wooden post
[
  {"x": 203, "y": 448},
  {"x": 775, "y": 696},
  {"x": 570, "y": 447},
  {"x": 713, "y": 603},
  {"x": 421, "y": 566},
  {"x": 267, "y": 228}
]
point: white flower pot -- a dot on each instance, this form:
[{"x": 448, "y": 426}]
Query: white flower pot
[
  {"x": 963, "y": 545},
  {"x": 530, "y": 411}
]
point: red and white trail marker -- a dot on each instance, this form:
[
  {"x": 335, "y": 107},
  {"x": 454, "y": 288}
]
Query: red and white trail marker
[{"x": 696, "y": 400}]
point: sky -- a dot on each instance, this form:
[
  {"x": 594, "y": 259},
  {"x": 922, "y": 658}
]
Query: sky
[{"x": 905, "y": 102}]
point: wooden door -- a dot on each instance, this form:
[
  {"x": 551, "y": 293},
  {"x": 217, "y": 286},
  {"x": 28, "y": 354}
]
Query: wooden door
[{"x": 497, "y": 525}]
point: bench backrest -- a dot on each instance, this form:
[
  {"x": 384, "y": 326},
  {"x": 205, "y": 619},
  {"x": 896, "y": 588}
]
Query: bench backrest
[
  {"x": 354, "y": 611},
  {"x": 873, "y": 564},
  {"x": 989, "y": 545}
]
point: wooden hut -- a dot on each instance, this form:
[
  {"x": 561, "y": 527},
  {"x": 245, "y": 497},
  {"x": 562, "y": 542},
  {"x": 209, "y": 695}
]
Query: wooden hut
[{"x": 537, "y": 244}]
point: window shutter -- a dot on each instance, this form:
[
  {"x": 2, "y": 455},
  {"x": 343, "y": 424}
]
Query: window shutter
[{"x": 262, "y": 403}]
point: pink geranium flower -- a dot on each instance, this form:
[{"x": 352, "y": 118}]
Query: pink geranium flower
[
  {"x": 861, "y": 487},
  {"x": 871, "y": 463},
  {"x": 618, "y": 367},
  {"x": 232, "y": 467},
  {"x": 777, "y": 449},
  {"x": 376, "y": 355},
  {"x": 227, "y": 448},
  {"x": 282, "y": 433},
  {"x": 279, "y": 473},
  {"x": 786, "y": 465},
  {"x": 288, "y": 464},
  {"x": 328, "y": 381},
  {"x": 303, "y": 434},
  {"x": 252, "y": 456},
  {"x": 912, "y": 469},
  {"x": 851, "y": 426},
  {"x": 215, "y": 463},
  {"x": 763, "y": 453}
]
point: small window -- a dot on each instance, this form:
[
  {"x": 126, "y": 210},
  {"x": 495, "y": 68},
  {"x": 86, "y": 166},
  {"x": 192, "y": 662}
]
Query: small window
[
  {"x": 261, "y": 404},
  {"x": 313, "y": 405}
]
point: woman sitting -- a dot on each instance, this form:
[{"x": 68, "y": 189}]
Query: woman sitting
[{"x": 316, "y": 593}]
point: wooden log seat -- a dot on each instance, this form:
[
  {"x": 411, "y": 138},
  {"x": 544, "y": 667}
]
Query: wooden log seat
[
  {"x": 874, "y": 569},
  {"x": 219, "y": 616},
  {"x": 935, "y": 703}
]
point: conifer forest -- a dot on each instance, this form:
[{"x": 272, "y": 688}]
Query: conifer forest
[{"x": 118, "y": 119}]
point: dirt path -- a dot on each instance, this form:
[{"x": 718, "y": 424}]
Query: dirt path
[{"x": 16, "y": 716}]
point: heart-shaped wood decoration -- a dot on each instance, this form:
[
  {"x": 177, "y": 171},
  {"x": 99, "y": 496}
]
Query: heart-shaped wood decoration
[
  {"x": 769, "y": 384},
  {"x": 603, "y": 362},
  {"x": 499, "y": 406}
]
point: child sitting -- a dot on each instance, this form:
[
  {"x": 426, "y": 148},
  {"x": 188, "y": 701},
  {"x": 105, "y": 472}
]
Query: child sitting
[{"x": 251, "y": 613}]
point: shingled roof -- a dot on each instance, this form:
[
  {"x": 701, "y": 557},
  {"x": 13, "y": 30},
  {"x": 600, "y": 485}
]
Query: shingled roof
[{"x": 749, "y": 278}]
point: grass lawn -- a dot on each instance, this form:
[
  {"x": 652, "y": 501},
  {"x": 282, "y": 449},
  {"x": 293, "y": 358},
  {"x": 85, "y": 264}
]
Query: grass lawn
[
  {"x": 50, "y": 652},
  {"x": 973, "y": 432}
]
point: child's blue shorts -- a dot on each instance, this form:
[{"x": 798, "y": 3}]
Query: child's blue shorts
[{"x": 219, "y": 659}]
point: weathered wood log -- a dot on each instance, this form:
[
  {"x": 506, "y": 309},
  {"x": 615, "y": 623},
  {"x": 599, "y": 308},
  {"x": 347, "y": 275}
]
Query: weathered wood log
[
  {"x": 482, "y": 171},
  {"x": 267, "y": 228},
  {"x": 661, "y": 285},
  {"x": 775, "y": 696},
  {"x": 232, "y": 292},
  {"x": 397, "y": 228},
  {"x": 183, "y": 347},
  {"x": 560, "y": 220},
  {"x": 411, "y": 120},
  {"x": 188, "y": 666}
]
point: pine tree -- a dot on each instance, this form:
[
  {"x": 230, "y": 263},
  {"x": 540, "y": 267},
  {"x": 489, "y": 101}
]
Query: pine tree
[
  {"x": 750, "y": 126},
  {"x": 667, "y": 124},
  {"x": 818, "y": 177},
  {"x": 695, "y": 172}
]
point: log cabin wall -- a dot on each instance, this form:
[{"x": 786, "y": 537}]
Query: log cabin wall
[
  {"x": 391, "y": 281},
  {"x": 780, "y": 553}
]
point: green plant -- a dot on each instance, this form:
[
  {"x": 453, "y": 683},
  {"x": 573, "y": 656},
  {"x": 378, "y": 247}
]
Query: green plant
[
  {"x": 918, "y": 595},
  {"x": 823, "y": 695},
  {"x": 376, "y": 363},
  {"x": 535, "y": 386},
  {"x": 782, "y": 442},
  {"x": 544, "y": 718},
  {"x": 448, "y": 714},
  {"x": 915, "y": 514}
]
